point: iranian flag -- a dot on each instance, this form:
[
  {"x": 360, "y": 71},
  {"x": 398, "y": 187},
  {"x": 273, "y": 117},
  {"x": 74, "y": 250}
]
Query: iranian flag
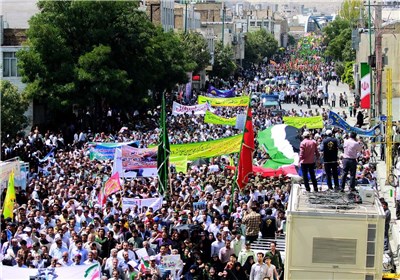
[
  {"x": 365, "y": 86},
  {"x": 93, "y": 272},
  {"x": 282, "y": 143}
]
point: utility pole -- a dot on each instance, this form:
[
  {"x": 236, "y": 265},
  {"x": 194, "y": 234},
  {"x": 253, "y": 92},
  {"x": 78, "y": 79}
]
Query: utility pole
[
  {"x": 372, "y": 96},
  {"x": 223, "y": 21},
  {"x": 389, "y": 129},
  {"x": 378, "y": 57},
  {"x": 186, "y": 17}
]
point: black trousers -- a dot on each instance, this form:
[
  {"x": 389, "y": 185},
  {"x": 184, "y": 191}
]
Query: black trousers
[
  {"x": 331, "y": 170},
  {"x": 349, "y": 166},
  {"x": 309, "y": 168},
  {"x": 251, "y": 238}
]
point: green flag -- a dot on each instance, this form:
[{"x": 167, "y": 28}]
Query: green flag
[{"x": 163, "y": 152}]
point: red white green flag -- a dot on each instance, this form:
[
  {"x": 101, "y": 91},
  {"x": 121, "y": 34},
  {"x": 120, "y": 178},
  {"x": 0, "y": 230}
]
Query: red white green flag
[{"x": 365, "y": 86}]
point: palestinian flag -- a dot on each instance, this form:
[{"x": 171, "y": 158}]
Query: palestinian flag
[{"x": 282, "y": 143}]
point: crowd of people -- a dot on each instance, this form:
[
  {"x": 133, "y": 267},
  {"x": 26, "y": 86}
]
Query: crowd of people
[{"x": 58, "y": 220}]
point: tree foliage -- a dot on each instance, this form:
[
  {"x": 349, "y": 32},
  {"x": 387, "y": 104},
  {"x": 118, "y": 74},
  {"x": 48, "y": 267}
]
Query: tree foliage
[
  {"x": 351, "y": 11},
  {"x": 198, "y": 49},
  {"x": 224, "y": 64},
  {"x": 259, "y": 44},
  {"x": 340, "y": 47},
  {"x": 333, "y": 29},
  {"x": 348, "y": 75},
  {"x": 98, "y": 52},
  {"x": 13, "y": 107},
  {"x": 291, "y": 40}
]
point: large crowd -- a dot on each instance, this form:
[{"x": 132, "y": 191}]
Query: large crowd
[{"x": 58, "y": 220}]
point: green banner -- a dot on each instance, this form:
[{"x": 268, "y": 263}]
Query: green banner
[
  {"x": 228, "y": 102},
  {"x": 214, "y": 119},
  {"x": 208, "y": 149},
  {"x": 180, "y": 163},
  {"x": 309, "y": 122}
]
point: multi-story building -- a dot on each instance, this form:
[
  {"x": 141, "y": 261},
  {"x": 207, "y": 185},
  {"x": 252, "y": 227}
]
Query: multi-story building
[{"x": 12, "y": 40}]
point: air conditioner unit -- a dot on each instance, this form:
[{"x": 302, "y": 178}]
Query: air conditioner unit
[{"x": 367, "y": 194}]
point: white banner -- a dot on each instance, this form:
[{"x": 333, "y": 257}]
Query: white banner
[
  {"x": 117, "y": 167},
  {"x": 155, "y": 203},
  {"x": 179, "y": 109},
  {"x": 90, "y": 272}
]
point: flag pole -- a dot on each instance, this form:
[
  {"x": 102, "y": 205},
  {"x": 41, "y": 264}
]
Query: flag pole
[
  {"x": 165, "y": 166},
  {"x": 237, "y": 167},
  {"x": 163, "y": 152}
]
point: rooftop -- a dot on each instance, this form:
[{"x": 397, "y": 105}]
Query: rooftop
[{"x": 332, "y": 203}]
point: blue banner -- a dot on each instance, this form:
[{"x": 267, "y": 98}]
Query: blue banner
[
  {"x": 224, "y": 93},
  {"x": 338, "y": 121}
]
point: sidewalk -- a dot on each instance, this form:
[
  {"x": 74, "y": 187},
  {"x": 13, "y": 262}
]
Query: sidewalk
[{"x": 385, "y": 192}]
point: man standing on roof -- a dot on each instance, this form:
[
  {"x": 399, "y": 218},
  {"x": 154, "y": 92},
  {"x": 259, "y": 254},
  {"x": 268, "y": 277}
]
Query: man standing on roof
[
  {"x": 330, "y": 147},
  {"x": 307, "y": 158},
  {"x": 351, "y": 149}
]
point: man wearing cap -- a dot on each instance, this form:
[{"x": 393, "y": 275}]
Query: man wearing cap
[
  {"x": 307, "y": 158},
  {"x": 330, "y": 148},
  {"x": 351, "y": 149},
  {"x": 245, "y": 253},
  {"x": 271, "y": 269}
]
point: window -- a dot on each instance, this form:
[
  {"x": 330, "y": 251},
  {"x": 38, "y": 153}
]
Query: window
[
  {"x": 10, "y": 64},
  {"x": 371, "y": 238}
]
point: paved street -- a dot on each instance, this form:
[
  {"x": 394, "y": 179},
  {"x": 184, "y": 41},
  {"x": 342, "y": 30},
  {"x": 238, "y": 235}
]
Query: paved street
[
  {"x": 332, "y": 89},
  {"x": 386, "y": 191}
]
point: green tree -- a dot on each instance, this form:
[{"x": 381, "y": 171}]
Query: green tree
[
  {"x": 340, "y": 48},
  {"x": 224, "y": 64},
  {"x": 13, "y": 107},
  {"x": 333, "y": 29},
  {"x": 259, "y": 45},
  {"x": 291, "y": 40},
  {"x": 348, "y": 75},
  {"x": 351, "y": 11},
  {"x": 98, "y": 53},
  {"x": 197, "y": 48}
]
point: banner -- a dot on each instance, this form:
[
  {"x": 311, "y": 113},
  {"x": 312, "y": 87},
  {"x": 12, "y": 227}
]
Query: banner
[
  {"x": 215, "y": 119},
  {"x": 129, "y": 203},
  {"x": 105, "y": 151},
  {"x": 135, "y": 158},
  {"x": 365, "y": 86},
  {"x": 201, "y": 205},
  {"x": 214, "y": 92},
  {"x": 117, "y": 167},
  {"x": 81, "y": 272},
  {"x": 208, "y": 149},
  {"x": 309, "y": 122},
  {"x": 171, "y": 262},
  {"x": 336, "y": 120},
  {"x": 228, "y": 102},
  {"x": 180, "y": 163},
  {"x": 179, "y": 109}
]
